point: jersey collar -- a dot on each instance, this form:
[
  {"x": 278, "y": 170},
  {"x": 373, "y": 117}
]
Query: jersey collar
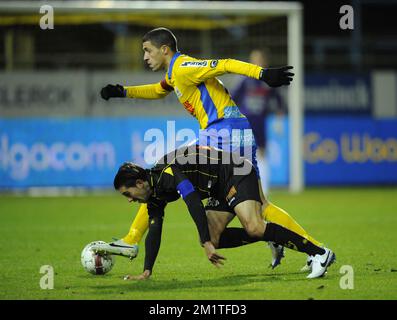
[{"x": 176, "y": 55}]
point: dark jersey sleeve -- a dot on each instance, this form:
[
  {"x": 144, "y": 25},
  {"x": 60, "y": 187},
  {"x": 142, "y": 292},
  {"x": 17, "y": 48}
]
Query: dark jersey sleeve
[
  {"x": 153, "y": 238},
  {"x": 174, "y": 179}
]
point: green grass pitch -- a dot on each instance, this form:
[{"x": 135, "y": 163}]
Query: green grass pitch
[{"x": 360, "y": 225}]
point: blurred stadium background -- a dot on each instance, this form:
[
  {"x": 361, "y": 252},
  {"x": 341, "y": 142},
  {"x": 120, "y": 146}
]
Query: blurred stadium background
[
  {"x": 57, "y": 132},
  {"x": 58, "y": 137}
]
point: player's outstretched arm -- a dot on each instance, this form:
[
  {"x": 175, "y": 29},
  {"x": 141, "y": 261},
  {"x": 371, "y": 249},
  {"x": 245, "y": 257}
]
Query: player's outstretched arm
[
  {"x": 197, "y": 212},
  {"x": 273, "y": 77},
  {"x": 198, "y": 71},
  {"x": 148, "y": 91},
  {"x": 153, "y": 240}
]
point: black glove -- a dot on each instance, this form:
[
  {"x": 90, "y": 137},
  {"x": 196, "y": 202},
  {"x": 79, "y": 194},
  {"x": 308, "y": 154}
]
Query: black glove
[
  {"x": 111, "y": 91},
  {"x": 276, "y": 77}
]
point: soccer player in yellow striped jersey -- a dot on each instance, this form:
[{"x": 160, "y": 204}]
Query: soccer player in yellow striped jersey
[
  {"x": 197, "y": 88},
  {"x": 204, "y": 96}
]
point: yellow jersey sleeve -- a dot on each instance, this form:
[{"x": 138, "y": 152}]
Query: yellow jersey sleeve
[
  {"x": 149, "y": 91},
  {"x": 197, "y": 71}
]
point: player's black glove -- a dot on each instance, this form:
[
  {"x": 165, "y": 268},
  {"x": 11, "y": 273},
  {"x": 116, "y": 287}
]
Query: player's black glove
[
  {"x": 111, "y": 91},
  {"x": 276, "y": 77}
]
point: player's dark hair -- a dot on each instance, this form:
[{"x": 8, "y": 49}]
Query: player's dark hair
[
  {"x": 161, "y": 36},
  {"x": 128, "y": 174}
]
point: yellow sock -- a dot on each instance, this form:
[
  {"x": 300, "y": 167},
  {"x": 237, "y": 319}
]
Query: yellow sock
[
  {"x": 138, "y": 226},
  {"x": 277, "y": 215}
]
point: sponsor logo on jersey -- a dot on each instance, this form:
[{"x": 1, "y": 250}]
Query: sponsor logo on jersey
[
  {"x": 194, "y": 64},
  {"x": 188, "y": 106},
  {"x": 213, "y": 63},
  {"x": 212, "y": 202},
  {"x": 230, "y": 201}
]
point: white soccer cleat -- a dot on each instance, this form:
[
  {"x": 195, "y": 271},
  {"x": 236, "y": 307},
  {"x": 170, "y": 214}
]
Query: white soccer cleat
[
  {"x": 308, "y": 266},
  {"x": 277, "y": 253},
  {"x": 320, "y": 263},
  {"x": 118, "y": 247}
]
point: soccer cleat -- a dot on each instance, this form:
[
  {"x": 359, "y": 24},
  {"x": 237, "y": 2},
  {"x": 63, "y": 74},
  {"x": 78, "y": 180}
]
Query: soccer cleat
[
  {"x": 277, "y": 253},
  {"x": 320, "y": 263},
  {"x": 118, "y": 247},
  {"x": 308, "y": 266}
]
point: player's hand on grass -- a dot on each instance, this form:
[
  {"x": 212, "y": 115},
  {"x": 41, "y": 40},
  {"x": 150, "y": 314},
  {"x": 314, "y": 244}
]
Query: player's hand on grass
[
  {"x": 215, "y": 258},
  {"x": 113, "y": 91},
  {"x": 276, "y": 77},
  {"x": 144, "y": 276}
]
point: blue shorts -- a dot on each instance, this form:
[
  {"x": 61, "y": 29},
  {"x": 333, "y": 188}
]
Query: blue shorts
[{"x": 232, "y": 135}]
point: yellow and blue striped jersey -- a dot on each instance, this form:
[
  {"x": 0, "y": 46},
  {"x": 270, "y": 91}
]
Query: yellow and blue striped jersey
[{"x": 197, "y": 88}]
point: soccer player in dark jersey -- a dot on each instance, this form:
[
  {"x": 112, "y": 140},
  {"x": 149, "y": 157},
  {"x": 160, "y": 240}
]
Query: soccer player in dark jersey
[
  {"x": 196, "y": 173},
  {"x": 202, "y": 94}
]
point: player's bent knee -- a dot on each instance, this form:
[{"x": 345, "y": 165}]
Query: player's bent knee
[{"x": 254, "y": 230}]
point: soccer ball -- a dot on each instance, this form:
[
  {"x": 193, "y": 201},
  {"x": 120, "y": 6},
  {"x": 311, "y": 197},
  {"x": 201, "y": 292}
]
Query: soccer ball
[{"x": 95, "y": 263}]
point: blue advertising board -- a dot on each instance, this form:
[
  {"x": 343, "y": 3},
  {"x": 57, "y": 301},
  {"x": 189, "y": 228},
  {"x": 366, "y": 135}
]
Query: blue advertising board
[
  {"x": 338, "y": 93},
  {"x": 83, "y": 152},
  {"x": 350, "y": 150},
  {"x": 339, "y": 151}
]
